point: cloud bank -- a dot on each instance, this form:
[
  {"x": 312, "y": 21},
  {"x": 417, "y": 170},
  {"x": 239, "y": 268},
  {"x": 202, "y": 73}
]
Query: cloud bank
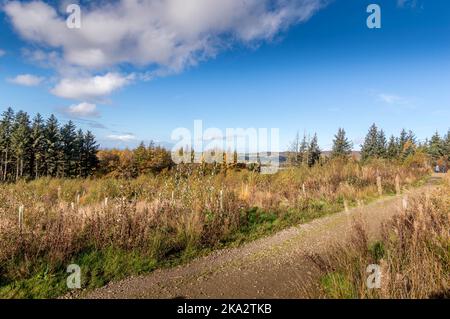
[
  {"x": 163, "y": 37},
  {"x": 171, "y": 33}
]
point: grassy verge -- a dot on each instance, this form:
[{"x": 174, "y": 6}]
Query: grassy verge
[
  {"x": 413, "y": 255},
  {"x": 110, "y": 264},
  {"x": 162, "y": 221}
]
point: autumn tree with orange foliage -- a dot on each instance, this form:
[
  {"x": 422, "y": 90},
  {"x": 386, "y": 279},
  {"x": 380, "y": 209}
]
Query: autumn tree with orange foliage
[{"x": 132, "y": 163}]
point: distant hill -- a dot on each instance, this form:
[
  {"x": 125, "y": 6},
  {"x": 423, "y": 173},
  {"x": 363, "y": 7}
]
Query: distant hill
[{"x": 285, "y": 155}]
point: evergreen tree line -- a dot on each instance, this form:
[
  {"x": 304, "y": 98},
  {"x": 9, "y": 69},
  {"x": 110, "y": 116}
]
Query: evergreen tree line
[
  {"x": 400, "y": 148},
  {"x": 38, "y": 147},
  {"x": 306, "y": 151}
]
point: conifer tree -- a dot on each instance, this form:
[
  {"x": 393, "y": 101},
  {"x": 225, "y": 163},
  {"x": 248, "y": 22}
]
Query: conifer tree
[
  {"x": 52, "y": 146},
  {"x": 37, "y": 146},
  {"x": 68, "y": 148},
  {"x": 79, "y": 151},
  {"x": 90, "y": 149},
  {"x": 342, "y": 147},
  {"x": 436, "y": 147},
  {"x": 5, "y": 140},
  {"x": 20, "y": 142},
  {"x": 410, "y": 146},
  {"x": 304, "y": 150},
  {"x": 381, "y": 150},
  {"x": 447, "y": 146},
  {"x": 370, "y": 146},
  {"x": 392, "y": 148},
  {"x": 314, "y": 151}
]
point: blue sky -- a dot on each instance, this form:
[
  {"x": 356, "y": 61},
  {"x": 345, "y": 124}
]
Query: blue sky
[{"x": 314, "y": 69}]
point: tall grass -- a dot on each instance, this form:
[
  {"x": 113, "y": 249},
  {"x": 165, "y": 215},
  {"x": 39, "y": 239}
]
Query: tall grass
[
  {"x": 116, "y": 227},
  {"x": 413, "y": 254}
]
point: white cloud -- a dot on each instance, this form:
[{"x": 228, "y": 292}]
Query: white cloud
[
  {"x": 122, "y": 138},
  {"x": 2, "y": 53},
  {"x": 167, "y": 35},
  {"x": 26, "y": 80},
  {"x": 82, "y": 110},
  {"x": 91, "y": 87},
  {"x": 392, "y": 99}
]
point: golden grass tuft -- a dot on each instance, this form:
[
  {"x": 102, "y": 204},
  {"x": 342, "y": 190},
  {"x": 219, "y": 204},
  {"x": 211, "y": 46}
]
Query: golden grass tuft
[{"x": 413, "y": 254}]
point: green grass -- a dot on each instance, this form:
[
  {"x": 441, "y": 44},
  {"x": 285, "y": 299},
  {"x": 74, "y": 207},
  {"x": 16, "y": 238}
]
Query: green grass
[
  {"x": 338, "y": 286},
  {"x": 97, "y": 269},
  {"x": 100, "y": 267}
]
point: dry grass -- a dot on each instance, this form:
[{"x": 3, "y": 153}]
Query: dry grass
[
  {"x": 159, "y": 218},
  {"x": 413, "y": 254}
]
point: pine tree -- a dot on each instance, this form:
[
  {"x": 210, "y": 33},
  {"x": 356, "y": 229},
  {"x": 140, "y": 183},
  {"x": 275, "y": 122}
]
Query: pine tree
[
  {"x": 314, "y": 151},
  {"x": 370, "y": 146},
  {"x": 304, "y": 150},
  {"x": 6, "y": 125},
  {"x": 52, "y": 146},
  {"x": 342, "y": 147},
  {"x": 447, "y": 146},
  {"x": 20, "y": 142},
  {"x": 392, "y": 148},
  {"x": 79, "y": 153},
  {"x": 409, "y": 147},
  {"x": 37, "y": 146},
  {"x": 90, "y": 154},
  {"x": 381, "y": 150},
  {"x": 436, "y": 147},
  {"x": 68, "y": 148}
]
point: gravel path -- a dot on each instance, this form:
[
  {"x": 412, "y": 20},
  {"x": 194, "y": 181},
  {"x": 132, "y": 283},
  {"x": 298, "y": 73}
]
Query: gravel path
[{"x": 271, "y": 267}]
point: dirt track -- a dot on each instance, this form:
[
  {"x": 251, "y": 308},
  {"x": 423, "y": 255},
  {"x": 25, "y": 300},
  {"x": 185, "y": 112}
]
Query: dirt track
[{"x": 271, "y": 267}]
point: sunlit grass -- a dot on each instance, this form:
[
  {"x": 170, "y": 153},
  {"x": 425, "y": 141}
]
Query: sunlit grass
[{"x": 115, "y": 227}]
